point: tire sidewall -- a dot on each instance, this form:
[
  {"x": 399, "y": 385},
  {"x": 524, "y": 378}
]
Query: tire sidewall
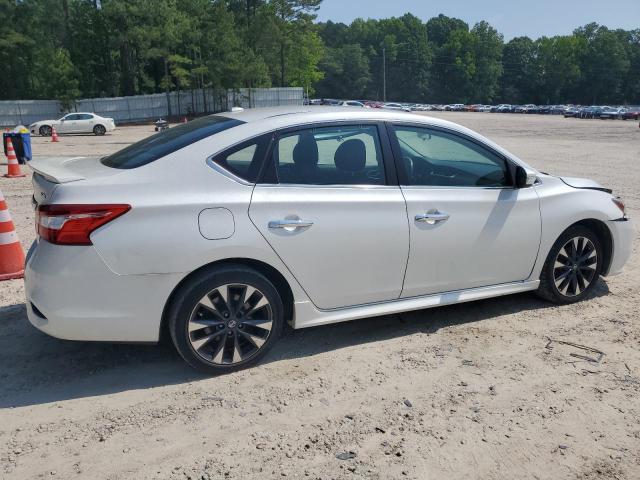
[
  {"x": 99, "y": 130},
  {"x": 571, "y": 232},
  {"x": 194, "y": 289},
  {"x": 45, "y": 131}
]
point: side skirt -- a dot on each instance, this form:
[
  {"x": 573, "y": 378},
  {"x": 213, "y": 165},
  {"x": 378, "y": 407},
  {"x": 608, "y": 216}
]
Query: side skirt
[{"x": 306, "y": 315}]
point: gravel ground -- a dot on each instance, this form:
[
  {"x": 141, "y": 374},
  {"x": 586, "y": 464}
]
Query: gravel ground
[{"x": 466, "y": 391}]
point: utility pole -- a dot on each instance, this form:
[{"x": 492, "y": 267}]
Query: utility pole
[
  {"x": 384, "y": 74},
  {"x": 166, "y": 81}
]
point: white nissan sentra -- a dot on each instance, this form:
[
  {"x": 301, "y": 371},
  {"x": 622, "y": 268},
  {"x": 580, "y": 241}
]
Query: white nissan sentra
[{"x": 219, "y": 231}]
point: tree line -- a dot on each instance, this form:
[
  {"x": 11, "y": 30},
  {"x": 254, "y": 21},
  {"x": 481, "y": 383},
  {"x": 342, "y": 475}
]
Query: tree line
[{"x": 67, "y": 49}]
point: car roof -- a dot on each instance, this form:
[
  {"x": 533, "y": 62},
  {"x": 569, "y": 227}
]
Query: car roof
[{"x": 281, "y": 117}]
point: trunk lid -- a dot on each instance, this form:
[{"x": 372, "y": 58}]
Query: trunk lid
[{"x": 50, "y": 173}]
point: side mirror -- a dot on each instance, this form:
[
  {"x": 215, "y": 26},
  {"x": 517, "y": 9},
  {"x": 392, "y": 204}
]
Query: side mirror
[{"x": 524, "y": 179}]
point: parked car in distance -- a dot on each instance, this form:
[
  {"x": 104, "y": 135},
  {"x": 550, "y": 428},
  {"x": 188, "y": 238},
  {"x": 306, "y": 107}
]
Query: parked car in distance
[
  {"x": 557, "y": 109},
  {"x": 351, "y": 103},
  {"x": 591, "y": 112},
  {"x": 612, "y": 113},
  {"x": 631, "y": 113},
  {"x": 396, "y": 106},
  {"x": 502, "y": 108},
  {"x": 215, "y": 232},
  {"x": 520, "y": 109},
  {"x": 571, "y": 112},
  {"x": 82, "y": 122},
  {"x": 455, "y": 107},
  {"x": 330, "y": 102}
]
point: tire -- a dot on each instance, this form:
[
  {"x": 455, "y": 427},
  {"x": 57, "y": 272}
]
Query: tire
[
  {"x": 45, "y": 131},
  {"x": 99, "y": 130},
  {"x": 568, "y": 277},
  {"x": 199, "y": 311}
]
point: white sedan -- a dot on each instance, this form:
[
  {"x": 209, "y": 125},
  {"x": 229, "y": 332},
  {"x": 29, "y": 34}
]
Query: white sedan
[
  {"x": 221, "y": 230},
  {"x": 82, "y": 122}
]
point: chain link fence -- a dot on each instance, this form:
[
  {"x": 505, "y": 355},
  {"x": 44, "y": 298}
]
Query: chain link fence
[{"x": 141, "y": 108}]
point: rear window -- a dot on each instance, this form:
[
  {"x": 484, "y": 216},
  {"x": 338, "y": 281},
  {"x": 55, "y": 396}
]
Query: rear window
[{"x": 156, "y": 146}]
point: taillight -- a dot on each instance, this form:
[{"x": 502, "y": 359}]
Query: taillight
[{"x": 73, "y": 224}]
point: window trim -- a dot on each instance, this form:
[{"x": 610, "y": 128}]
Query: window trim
[
  {"x": 212, "y": 160},
  {"x": 403, "y": 179},
  {"x": 175, "y": 146},
  {"x": 390, "y": 173}
]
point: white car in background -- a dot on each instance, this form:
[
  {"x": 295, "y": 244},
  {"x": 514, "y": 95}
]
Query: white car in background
[
  {"x": 221, "y": 230},
  {"x": 396, "y": 106},
  {"x": 78, "y": 122},
  {"x": 352, "y": 103}
]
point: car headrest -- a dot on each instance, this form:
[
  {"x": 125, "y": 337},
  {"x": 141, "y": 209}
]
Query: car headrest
[
  {"x": 305, "y": 153},
  {"x": 351, "y": 156}
]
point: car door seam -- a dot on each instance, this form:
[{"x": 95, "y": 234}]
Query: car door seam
[
  {"x": 274, "y": 250},
  {"x": 406, "y": 266}
]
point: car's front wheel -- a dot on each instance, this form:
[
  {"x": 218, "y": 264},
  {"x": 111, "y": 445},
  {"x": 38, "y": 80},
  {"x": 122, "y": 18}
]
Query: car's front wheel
[
  {"x": 225, "y": 319},
  {"x": 573, "y": 266},
  {"x": 99, "y": 130},
  {"x": 45, "y": 131}
]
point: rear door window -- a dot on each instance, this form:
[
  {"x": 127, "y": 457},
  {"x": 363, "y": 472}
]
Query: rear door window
[
  {"x": 161, "y": 144},
  {"x": 336, "y": 155}
]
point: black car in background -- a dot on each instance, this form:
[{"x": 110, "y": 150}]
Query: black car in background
[{"x": 593, "y": 111}]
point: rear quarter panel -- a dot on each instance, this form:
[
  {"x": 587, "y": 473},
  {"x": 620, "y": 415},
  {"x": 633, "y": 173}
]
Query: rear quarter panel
[{"x": 160, "y": 234}]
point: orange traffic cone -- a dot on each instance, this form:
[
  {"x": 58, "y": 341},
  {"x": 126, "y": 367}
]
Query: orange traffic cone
[
  {"x": 54, "y": 135},
  {"x": 14, "y": 167},
  {"x": 11, "y": 253}
]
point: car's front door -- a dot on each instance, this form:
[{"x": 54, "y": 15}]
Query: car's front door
[
  {"x": 327, "y": 210},
  {"x": 469, "y": 226},
  {"x": 67, "y": 123}
]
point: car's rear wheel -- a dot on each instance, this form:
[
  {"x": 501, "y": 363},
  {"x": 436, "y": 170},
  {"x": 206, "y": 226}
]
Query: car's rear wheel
[
  {"x": 225, "y": 319},
  {"x": 99, "y": 130},
  {"x": 45, "y": 131},
  {"x": 573, "y": 266}
]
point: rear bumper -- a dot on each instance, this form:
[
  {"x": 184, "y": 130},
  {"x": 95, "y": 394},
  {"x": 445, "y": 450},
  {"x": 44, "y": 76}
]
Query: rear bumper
[
  {"x": 77, "y": 297},
  {"x": 622, "y": 233}
]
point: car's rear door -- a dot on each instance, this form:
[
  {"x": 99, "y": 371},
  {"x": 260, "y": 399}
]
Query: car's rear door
[
  {"x": 330, "y": 207},
  {"x": 469, "y": 227},
  {"x": 85, "y": 123}
]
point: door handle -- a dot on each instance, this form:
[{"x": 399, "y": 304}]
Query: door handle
[
  {"x": 432, "y": 217},
  {"x": 289, "y": 224}
]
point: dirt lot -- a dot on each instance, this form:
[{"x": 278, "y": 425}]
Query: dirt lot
[{"x": 466, "y": 391}]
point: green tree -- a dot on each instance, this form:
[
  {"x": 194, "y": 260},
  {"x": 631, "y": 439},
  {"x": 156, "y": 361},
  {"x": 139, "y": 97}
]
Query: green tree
[
  {"x": 518, "y": 81},
  {"x": 604, "y": 64},
  {"x": 347, "y": 73},
  {"x": 292, "y": 19},
  {"x": 487, "y": 45}
]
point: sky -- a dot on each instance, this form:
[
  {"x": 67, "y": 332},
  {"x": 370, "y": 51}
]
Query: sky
[{"x": 513, "y": 18}]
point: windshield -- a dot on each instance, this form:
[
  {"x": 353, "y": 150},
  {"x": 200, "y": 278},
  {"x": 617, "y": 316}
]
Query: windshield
[{"x": 161, "y": 144}]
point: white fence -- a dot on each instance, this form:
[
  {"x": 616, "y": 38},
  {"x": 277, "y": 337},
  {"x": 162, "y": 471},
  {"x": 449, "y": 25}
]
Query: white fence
[{"x": 151, "y": 107}]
